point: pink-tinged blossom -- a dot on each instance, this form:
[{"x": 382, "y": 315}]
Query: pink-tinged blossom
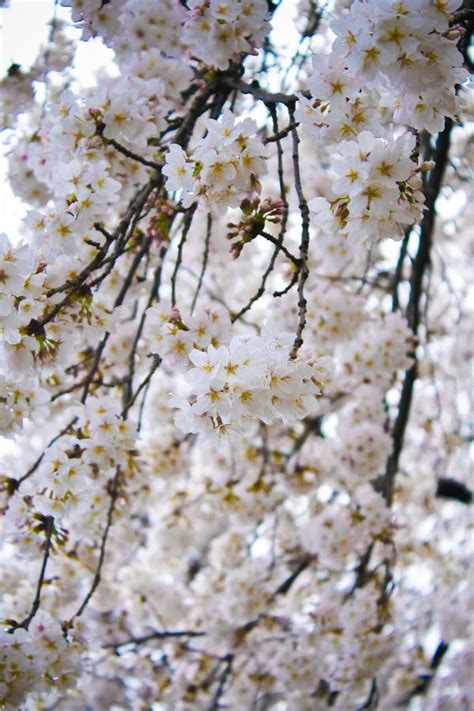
[
  {"x": 251, "y": 380},
  {"x": 200, "y": 510},
  {"x": 224, "y": 168},
  {"x": 219, "y": 31}
]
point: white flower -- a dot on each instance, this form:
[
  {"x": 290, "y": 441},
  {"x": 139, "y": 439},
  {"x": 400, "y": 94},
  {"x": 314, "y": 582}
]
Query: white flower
[
  {"x": 178, "y": 170},
  {"x": 251, "y": 379}
]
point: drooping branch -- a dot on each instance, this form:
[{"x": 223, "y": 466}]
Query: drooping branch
[
  {"x": 304, "y": 243},
  {"x": 113, "y": 492},
  {"x": 186, "y": 227},
  {"x": 261, "y": 289},
  {"x": 47, "y": 526},
  {"x": 420, "y": 265},
  {"x": 426, "y": 679},
  {"x": 215, "y": 704},
  {"x": 205, "y": 257}
]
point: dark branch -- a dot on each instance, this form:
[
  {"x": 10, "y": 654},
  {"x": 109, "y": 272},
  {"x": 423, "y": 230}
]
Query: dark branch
[
  {"x": 48, "y": 528},
  {"x": 452, "y": 489},
  {"x": 419, "y": 269},
  {"x": 304, "y": 244},
  {"x": 97, "y": 575},
  {"x": 289, "y": 582},
  {"x": 156, "y": 635}
]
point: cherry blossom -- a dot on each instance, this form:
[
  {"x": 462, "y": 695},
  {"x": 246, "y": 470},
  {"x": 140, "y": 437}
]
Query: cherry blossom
[{"x": 234, "y": 360}]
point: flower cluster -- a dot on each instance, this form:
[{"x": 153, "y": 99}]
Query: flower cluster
[
  {"x": 342, "y": 114},
  {"x": 248, "y": 380},
  {"x": 19, "y": 400},
  {"x": 377, "y": 189},
  {"x": 380, "y": 349},
  {"x": 223, "y": 169},
  {"x": 21, "y": 336},
  {"x": 405, "y": 51},
  {"x": 396, "y": 63},
  {"x": 218, "y": 31},
  {"x": 215, "y": 32},
  {"x": 76, "y": 473},
  {"x": 200, "y": 510},
  {"x": 168, "y": 335},
  {"x": 412, "y": 45},
  {"x": 334, "y": 314},
  {"x": 32, "y": 658},
  {"x": 142, "y": 25},
  {"x": 17, "y": 86},
  {"x": 17, "y": 94}
]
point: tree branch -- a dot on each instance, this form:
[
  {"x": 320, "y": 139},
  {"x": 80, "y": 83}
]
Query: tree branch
[
  {"x": 419, "y": 268},
  {"x": 97, "y": 575},
  {"x": 48, "y": 528},
  {"x": 304, "y": 244}
]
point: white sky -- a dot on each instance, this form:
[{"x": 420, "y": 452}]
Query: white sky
[{"x": 23, "y": 27}]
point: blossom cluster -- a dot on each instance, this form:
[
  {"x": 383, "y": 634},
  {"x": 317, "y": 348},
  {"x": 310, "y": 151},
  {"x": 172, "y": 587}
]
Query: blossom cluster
[
  {"x": 223, "y": 169},
  {"x": 32, "y": 658},
  {"x": 167, "y": 334},
  {"x": 199, "y": 500},
  {"x": 382, "y": 348},
  {"x": 216, "y": 32},
  {"x": 411, "y": 45},
  {"x": 377, "y": 188},
  {"x": 19, "y": 400},
  {"x": 22, "y": 339},
  {"x": 17, "y": 86},
  {"x": 235, "y": 381},
  {"x": 391, "y": 64},
  {"x": 76, "y": 473},
  {"x": 394, "y": 55},
  {"x": 248, "y": 380}
]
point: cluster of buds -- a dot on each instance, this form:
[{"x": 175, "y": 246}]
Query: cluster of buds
[
  {"x": 176, "y": 320},
  {"x": 256, "y": 215},
  {"x": 98, "y": 117},
  {"x": 161, "y": 220}
]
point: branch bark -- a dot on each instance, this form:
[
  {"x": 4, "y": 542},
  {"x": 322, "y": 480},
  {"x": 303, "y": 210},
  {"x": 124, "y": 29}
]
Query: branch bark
[{"x": 420, "y": 266}]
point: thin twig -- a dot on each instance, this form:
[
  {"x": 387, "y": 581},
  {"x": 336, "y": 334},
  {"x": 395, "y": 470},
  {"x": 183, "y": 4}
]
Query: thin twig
[
  {"x": 38, "y": 461},
  {"x": 130, "y": 154},
  {"x": 164, "y": 634},
  {"x": 215, "y": 704},
  {"x": 205, "y": 258},
  {"x": 146, "y": 380},
  {"x": 48, "y": 522},
  {"x": 304, "y": 244},
  {"x": 257, "y": 92},
  {"x": 97, "y": 575},
  {"x": 281, "y": 247},
  {"x": 261, "y": 289},
  {"x": 179, "y": 257},
  {"x": 153, "y": 294},
  {"x": 287, "y": 584}
]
